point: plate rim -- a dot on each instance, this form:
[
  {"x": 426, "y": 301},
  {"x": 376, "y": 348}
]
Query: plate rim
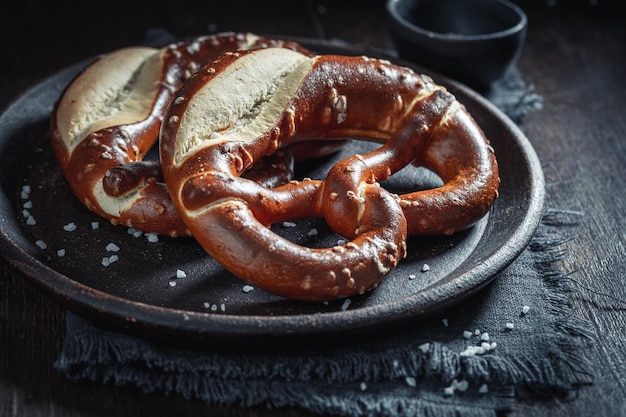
[{"x": 128, "y": 314}]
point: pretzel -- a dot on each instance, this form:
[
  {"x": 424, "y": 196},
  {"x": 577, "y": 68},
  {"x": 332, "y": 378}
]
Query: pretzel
[
  {"x": 273, "y": 98},
  {"x": 109, "y": 117}
]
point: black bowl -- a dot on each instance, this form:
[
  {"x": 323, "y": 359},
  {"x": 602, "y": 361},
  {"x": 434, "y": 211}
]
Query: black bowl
[{"x": 473, "y": 41}]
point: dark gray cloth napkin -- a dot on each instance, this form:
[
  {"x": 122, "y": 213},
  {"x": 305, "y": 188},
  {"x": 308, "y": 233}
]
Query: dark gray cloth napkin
[
  {"x": 522, "y": 321},
  {"x": 516, "y": 334}
]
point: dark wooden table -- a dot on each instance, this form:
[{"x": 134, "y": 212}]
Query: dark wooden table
[{"x": 575, "y": 57}]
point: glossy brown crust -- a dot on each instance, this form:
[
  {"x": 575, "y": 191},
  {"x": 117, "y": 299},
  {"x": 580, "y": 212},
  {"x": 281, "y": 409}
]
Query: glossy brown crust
[
  {"x": 416, "y": 121},
  {"x": 113, "y": 156}
]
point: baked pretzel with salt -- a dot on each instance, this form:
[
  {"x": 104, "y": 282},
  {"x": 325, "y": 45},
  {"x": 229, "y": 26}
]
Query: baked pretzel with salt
[
  {"x": 108, "y": 118},
  {"x": 248, "y": 104}
]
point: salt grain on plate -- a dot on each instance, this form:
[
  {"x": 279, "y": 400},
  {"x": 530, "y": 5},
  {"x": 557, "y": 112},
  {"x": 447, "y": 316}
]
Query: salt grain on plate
[
  {"x": 180, "y": 274},
  {"x": 425, "y": 268},
  {"x": 112, "y": 247},
  {"x": 70, "y": 227},
  {"x": 28, "y": 205},
  {"x": 95, "y": 225},
  {"x": 41, "y": 244},
  {"x": 363, "y": 386},
  {"x": 445, "y": 322},
  {"x": 152, "y": 237},
  {"x": 106, "y": 261},
  {"x": 424, "y": 347},
  {"x": 412, "y": 276},
  {"x": 525, "y": 309},
  {"x": 509, "y": 325},
  {"x": 31, "y": 221},
  {"x": 346, "y": 304},
  {"x": 467, "y": 334},
  {"x": 484, "y": 336},
  {"x": 172, "y": 283},
  {"x": 312, "y": 232},
  {"x": 134, "y": 232},
  {"x": 289, "y": 224},
  {"x": 61, "y": 253},
  {"x": 483, "y": 389},
  {"x": 25, "y": 213},
  {"x": 25, "y": 192},
  {"x": 247, "y": 288}
]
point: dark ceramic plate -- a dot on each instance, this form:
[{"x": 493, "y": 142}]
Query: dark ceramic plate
[{"x": 141, "y": 292}]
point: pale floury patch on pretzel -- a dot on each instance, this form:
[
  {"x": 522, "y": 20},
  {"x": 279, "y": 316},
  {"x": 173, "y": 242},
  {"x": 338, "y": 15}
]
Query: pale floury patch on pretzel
[
  {"x": 268, "y": 99},
  {"x": 109, "y": 116}
]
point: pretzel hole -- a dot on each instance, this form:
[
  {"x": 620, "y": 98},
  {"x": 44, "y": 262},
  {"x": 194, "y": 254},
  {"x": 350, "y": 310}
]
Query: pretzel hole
[
  {"x": 312, "y": 233},
  {"x": 411, "y": 179}
]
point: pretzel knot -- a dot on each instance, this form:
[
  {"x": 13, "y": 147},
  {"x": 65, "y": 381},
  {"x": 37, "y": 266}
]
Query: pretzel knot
[
  {"x": 109, "y": 117},
  {"x": 248, "y": 104}
]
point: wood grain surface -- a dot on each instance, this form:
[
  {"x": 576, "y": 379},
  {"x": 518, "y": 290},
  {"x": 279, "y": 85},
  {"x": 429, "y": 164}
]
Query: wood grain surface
[{"x": 575, "y": 57}]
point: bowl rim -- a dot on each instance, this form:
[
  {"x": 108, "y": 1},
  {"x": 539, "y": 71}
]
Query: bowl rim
[{"x": 411, "y": 27}]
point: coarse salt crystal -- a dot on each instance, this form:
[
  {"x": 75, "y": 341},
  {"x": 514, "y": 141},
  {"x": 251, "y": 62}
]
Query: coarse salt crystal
[
  {"x": 95, "y": 225},
  {"x": 412, "y": 276},
  {"x": 112, "y": 247},
  {"x": 467, "y": 334},
  {"x": 483, "y": 389},
  {"x": 461, "y": 385},
  {"x": 312, "y": 232},
  {"x": 363, "y": 386},
  {"x": 346, "y": 304},
  {"x": 247, "y": 288},
  {"x": 410, "y": 381},
  {"x": 152, "y": 237},
  {"x": 525, "y": 309},
  {"x": 509, "y": 325},
  {"x": 61, "y": 253},
  {"x": 424, "y": 347},
  {"x": 484, "y": 336},
  {"x": 289, "y": 224},
  {"x": 206, "y": 305},
  {"x": 180, "y": 273},
  {"x": 41, "y": 244},
  {"x": 25, "y": 192},
  {"x": 70, "y": 227},
  {"x": 445, "y": 322},
  {"x": 28, "y": 205},
  {"x": 172, "y": 283},
  {"x": 31, "y": 221},
  {"x": 425, "y": 268},
  {"x": 106, "y": 261},
  {"x": 25, "y": 213}
]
